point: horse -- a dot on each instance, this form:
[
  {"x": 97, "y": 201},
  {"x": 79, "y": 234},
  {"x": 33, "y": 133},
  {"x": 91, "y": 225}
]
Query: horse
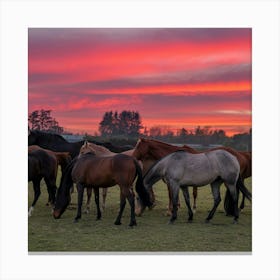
[
  {"x": 149, "y": 151},
  {"x": 182, "y": 169},
  {"x": 63, "y": 158},
  {"x": 89, "y": 170},
  {"x": 246, "y": 162},
  {"x": 42, "y": 165},
  {"x": 100, "y": 151}
]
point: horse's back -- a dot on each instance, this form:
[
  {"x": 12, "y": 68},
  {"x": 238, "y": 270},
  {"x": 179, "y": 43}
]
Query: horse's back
[
  {"x": 202, "y": 168},
  {"x": 101, "y": 171},
  {"x": 41, "y": 164},
  {"x": 225, "y": 163}
]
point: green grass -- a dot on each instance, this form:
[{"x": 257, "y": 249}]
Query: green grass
[{"x": 152, "y": 233}]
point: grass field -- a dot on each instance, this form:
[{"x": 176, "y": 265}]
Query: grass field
[{"x": 152, "y": 233}]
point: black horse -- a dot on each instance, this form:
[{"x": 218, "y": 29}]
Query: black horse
[
  {"x": 57, "y": 143},
  {"x": 42, "y": 165}
]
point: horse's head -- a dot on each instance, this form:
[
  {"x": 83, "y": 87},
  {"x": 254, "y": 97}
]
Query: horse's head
[
  {"x": 141, "y": 149},
  {"x": 139, "y": 205},
  {"x": 86, "y": 148},
  {"x": 61, "y": 203}
]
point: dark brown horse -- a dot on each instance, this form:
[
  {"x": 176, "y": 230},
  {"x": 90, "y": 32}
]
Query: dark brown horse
[
  {"x": 63, "y": 158},
  {"x": 42, "y": 165},
  {"x": 149, "y": 151},
  {"x": 89, "y": 170}
]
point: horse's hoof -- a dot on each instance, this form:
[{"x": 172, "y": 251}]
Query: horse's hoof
[
  {"x": 207, "y": 221},
  {"x": 98, "y": 219},
  {"x": 190, "y": 221},
  {"x": 132, "y": 224},
  {"x": 76, "y": 221},
  {"x": 235, "y": 222},
  {"x": 117, "y": 223},
  {"x": 168, "y": 213},
  {"x": 171, "y": 222}
]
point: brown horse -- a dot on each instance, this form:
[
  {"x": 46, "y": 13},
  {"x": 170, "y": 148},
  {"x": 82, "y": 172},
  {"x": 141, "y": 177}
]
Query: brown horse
[
  {"x": 99, "y": 151},
  {"x": 89, "y": 170},
  {"x": 62, "y": 158},
  {"x": 149, "y": 151},
  {"x": 42, "y": 165}
]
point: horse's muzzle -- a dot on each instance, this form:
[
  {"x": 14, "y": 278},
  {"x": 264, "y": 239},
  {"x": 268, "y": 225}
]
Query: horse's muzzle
[{"x": 56, "y": 213}]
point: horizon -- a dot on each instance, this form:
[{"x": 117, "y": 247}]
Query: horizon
[{"x": 174, "y": 77}]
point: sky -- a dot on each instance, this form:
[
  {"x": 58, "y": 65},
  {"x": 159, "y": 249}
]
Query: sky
[{"x": 174, "y": 77}]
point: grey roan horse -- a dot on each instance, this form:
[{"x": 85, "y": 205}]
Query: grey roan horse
[{"x": 182, "y": 169}]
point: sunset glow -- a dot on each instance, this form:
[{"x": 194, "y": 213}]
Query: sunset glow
[{"x": 174, "y": 77}]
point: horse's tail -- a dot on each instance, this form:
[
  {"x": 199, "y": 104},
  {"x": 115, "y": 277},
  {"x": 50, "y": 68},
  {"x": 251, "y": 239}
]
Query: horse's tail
[
  {"x": 228, "y": 202},
  {"x": 243, "y": 189},
  {"x": 140, "y": 188}
]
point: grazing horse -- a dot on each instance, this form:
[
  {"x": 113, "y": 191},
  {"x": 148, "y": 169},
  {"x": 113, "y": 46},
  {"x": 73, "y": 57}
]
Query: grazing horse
[
  {"x": 245, "y": 160},
  {"x": 149, "y": 151},
  {"x": 89, "y": 170},
  {"x": 182, "y": 169},
  {"x": 42, "y": 165},
  {"x": 100, "y": 151}
]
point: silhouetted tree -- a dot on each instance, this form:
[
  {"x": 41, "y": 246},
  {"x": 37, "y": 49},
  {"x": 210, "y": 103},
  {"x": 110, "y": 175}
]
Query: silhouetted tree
[
  {"x": 126, "y": 123},
  {"x": 42, "y": 120}
]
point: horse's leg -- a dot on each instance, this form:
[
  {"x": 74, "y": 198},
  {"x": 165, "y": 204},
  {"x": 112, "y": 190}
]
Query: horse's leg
[
  {"x": 215, "y": 187},
  {"x": 96, "y": 197},
  {"x": 234, "y": 195},
  {"x": 89, "y": 194},
  {"x": 130, "y": 198},
  {"x": 37, "y": 192},
  {"x": 49, "y": 198},
  {"x": 51, "y": 187},
  {"x": 186, "y": 194},
  {"x": 175, "y": 194},
  {"x": 104, "y": 194},
  {"x": 122, "y": 206},
  {"x": 170, "y": 205},
  {"x": 80, "y": 189},
  {"x": 194, "y": 198}
]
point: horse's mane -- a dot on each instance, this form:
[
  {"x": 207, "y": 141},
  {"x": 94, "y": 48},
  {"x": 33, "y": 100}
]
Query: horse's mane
[
  {"x": 99, "y": 148},
  {"x": 49, "y": 136},
  {"x": 158, "y": 149}
]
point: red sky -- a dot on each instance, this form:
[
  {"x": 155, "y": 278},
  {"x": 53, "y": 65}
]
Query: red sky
[{"x": 174, "y": 77}]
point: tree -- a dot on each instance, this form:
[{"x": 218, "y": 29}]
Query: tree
[
  {"x": 106, "y": 125},
  {"x": 42, "y": 120},
  {"x": 155, "y": 131},
  {"x": 126, "y": 123}
]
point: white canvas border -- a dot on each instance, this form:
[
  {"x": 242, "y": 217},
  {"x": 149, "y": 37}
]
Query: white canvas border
[{"x": 262, "y": 16}]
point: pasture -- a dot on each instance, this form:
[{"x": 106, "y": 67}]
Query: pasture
[{"x": 152, "y": 233}]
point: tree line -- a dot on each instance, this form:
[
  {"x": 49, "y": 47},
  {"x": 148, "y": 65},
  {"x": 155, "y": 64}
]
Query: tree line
[{"x": 127, "y": 126}]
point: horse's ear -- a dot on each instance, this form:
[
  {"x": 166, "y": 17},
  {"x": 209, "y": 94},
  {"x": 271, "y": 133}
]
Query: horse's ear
[{"x": 86, "y": 143}]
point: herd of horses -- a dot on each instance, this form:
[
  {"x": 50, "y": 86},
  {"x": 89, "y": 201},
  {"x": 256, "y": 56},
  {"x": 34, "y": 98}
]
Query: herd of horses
[{"x": 94, "y": 165}]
